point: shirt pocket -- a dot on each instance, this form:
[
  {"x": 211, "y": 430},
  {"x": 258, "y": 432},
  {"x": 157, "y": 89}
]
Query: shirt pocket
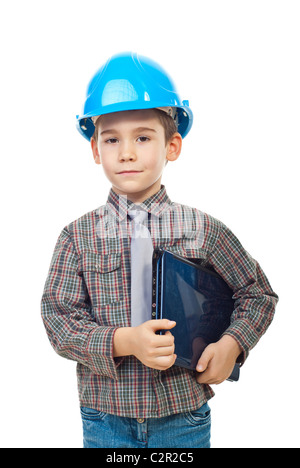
[{"x": 103, "y": 277}]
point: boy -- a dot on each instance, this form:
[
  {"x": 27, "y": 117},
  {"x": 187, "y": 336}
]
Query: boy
[{"x": 96, "y": 304}]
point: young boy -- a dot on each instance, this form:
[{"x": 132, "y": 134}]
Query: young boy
[{"x": 96, "y": 304}]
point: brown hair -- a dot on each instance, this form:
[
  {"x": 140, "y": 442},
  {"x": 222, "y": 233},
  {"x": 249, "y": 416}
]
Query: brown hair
[{"x": 165, "y": 120}]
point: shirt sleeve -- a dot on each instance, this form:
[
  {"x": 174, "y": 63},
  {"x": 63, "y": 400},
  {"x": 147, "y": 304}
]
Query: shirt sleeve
[
  {"x": 66, "y": 314},
  {"x": 255, "y": 301}
]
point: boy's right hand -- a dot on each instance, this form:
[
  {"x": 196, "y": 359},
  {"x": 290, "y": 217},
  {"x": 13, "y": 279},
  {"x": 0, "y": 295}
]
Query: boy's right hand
[{"x": 155, "y": 351}]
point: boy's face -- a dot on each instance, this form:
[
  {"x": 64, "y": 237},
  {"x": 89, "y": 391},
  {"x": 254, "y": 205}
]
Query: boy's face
[{"x": 133, "y": 152}]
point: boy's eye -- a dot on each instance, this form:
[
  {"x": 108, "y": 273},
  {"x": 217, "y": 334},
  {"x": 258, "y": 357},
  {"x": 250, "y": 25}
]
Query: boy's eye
[
  {"x": 111, "y": 140},
  {"x": 142, "y": 139}
]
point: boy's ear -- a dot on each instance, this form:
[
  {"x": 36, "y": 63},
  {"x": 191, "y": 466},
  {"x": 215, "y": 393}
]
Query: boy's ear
[
  {"x": 95, "y": 151},
  {"x": 174, "y": 146}
]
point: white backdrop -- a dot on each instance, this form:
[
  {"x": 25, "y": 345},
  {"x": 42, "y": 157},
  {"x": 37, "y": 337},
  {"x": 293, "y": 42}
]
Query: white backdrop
[{"x": 237, "y": 62}]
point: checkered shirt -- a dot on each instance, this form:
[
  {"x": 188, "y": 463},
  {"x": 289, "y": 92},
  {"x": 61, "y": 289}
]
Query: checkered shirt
[{"x": 87, "y": 298}]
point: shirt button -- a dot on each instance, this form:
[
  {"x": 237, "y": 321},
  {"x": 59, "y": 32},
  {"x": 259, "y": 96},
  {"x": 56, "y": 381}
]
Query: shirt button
[{"x": 140, "y": 420}]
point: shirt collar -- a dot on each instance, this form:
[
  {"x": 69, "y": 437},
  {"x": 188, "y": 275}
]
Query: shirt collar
[{"x": 155, "y": 205}]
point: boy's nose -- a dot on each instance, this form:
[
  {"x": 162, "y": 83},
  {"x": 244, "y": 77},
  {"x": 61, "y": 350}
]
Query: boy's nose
[
  {"x": 127, "y": 157},
  {"x": 127, "y": 153}
]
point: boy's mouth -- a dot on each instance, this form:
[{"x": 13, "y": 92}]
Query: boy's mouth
[{"x": 129, "y": 172}]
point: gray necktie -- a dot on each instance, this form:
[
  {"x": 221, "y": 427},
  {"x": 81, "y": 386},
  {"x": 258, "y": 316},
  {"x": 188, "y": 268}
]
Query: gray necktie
[{"x": 141, "y": 268}]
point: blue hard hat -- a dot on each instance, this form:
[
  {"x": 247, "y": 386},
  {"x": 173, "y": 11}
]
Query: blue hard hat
[{"x": 129, "y": 81}]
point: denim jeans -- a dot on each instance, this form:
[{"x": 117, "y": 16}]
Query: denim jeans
[{"x": 184, "y": 430}]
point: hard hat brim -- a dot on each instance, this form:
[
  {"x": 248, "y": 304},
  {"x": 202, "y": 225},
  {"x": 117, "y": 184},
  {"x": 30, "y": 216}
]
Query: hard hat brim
[{"x": 86, "y": 127}]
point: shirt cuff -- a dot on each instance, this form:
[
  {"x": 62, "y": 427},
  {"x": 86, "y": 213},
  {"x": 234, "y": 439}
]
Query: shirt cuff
[
  {"x": 245, "y": 335},
  {"x": 100, "y": 352}
]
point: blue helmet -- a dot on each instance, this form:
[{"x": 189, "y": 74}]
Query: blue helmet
[{"x": 129, "y": 81}]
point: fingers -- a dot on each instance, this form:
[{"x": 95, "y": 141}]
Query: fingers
[
  {"x": 211, "y": 377},
  {"x": 163, "y": 345},
  {"x": 163, "y": 351},
  {"x": 162, "y": 324},
  {"x": 203, "y": 366},
  {"x": 203, "y": 379},
  {"x": 211, "y": 368},
  {"x": 165, "y": 340},
  {"x": 165, "y": 362},
  {"x": 152, "y": 349},
  {"x": 204, "y": 360}
]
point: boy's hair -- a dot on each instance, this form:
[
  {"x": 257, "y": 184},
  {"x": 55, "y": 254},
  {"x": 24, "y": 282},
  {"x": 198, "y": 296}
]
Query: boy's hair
[{"x": 165, "y": 120}]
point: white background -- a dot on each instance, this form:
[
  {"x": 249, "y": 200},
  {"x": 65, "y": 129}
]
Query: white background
[{"x": 238, "y": 63}]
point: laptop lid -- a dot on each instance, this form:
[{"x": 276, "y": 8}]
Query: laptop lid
[{"x": 197, "y": 298}]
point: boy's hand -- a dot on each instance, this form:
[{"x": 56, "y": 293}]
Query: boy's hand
[
  {"x": 155, "y": 351},
  {"x": 217, "y": 361}
]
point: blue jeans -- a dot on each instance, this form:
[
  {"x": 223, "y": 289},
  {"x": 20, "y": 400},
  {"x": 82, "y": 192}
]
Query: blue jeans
[{"x": 184, "y": 430}]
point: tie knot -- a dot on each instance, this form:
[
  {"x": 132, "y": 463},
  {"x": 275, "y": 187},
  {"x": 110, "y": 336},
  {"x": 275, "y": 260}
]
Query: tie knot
[{"x": 138, "y": 216}]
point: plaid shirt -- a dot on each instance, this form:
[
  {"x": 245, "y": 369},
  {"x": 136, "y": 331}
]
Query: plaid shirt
[{"x": 87, "y": 297}]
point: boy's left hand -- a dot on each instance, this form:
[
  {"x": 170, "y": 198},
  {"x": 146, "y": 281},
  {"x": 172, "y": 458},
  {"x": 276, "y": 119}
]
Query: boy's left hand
[{"x": 217, "y": 361}]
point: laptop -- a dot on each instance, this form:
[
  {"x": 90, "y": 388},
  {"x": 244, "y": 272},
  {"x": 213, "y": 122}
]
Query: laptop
[{"x": 197, "y": 299}]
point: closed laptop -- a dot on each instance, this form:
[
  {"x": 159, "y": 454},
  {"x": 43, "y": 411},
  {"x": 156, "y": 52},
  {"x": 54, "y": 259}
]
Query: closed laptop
[{"x": 197, "y": 299}]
